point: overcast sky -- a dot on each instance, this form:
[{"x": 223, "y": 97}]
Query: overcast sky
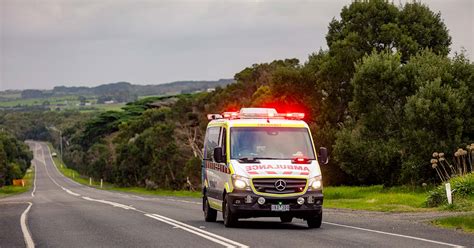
[{"x": 46, "y": 43}]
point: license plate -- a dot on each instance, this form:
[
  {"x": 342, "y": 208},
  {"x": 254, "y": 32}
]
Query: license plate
[{"x": 280, "y": 208}]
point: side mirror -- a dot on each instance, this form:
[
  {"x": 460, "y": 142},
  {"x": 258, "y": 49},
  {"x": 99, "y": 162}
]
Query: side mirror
[
  {"x": 218, "y": 155},
  {"x": 323, "y": 155}
]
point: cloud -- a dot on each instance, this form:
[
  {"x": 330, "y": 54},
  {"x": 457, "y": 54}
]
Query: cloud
[{"x": 82, "y": 42}]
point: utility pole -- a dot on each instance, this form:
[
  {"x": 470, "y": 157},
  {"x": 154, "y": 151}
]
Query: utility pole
[{"x": 61, "y": 143}]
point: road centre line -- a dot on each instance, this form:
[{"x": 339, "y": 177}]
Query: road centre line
[
  {"x": 393, "y": 234},
  {"x": 115, "y": 204},
  {"x": 24, "y": 228},
  {"x": 204, "y": 234},
  {"x": 200, "y": 230}
]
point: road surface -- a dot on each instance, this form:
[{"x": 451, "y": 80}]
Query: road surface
[{"x": 58, "y": 212}]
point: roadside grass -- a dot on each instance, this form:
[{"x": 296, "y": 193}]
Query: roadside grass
[
  {"x": 377, "y": 198},
  {"x": 74, "y": 175},
  {"x": 371, "y": 198},
  {"x": 13, "y": 190},
  {"x": 463, "y": 222}
]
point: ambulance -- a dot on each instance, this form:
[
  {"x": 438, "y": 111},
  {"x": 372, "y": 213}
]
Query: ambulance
[{"x": 260, "y": 163}]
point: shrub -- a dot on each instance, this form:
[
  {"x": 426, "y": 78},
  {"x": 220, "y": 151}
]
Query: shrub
[{"x": 461, "y": 186}]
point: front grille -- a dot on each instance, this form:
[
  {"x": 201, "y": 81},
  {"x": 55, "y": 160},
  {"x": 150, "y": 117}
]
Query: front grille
[{"x": 267, "y": 185}]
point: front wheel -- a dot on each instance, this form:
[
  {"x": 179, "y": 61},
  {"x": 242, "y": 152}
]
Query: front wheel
[
  {"x": 230, "y": 220},
  {"x": 210, "y": 214},
  {"x": 315, "y": 221}
]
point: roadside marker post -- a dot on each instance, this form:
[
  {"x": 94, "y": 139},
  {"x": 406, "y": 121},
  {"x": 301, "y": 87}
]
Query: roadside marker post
[
  {"x": 101, "y": 183},
  {"x": 90, "y": 180},
  {"x": 449, "y": 193}
]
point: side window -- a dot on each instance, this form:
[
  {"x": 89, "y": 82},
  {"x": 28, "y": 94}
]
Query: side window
[
  {"x": 223, "y": 141},
  {"x": 212, "y": 141}
]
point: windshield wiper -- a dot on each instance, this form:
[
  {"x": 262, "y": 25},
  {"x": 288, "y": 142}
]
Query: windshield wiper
[
  {"x": 267, "y": 158},
  {"x": 248, "y": 160}
]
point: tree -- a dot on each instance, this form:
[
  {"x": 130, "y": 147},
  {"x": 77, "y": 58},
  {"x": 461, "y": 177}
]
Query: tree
[
  {"x": 365, "y": 27},
  {"x": 401, "y": 113},
  {"x": 367, "y": 147}
]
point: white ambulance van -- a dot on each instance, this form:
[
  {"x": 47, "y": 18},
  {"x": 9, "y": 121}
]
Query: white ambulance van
[{"x": 260, "y": 163}]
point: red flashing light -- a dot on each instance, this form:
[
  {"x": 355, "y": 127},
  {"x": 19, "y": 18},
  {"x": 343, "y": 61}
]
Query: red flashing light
[
  {"x": 258, "y": 113},
  {"x": 301, "y": 160}
]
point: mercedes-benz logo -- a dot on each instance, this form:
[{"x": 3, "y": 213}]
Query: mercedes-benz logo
[{"x": 280, "y": 185}]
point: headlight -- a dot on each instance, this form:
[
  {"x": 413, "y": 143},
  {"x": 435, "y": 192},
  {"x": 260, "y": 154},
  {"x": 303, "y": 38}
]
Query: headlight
[
  {"x": 316, "y": 183},
  {"x": 241, "y": 182}
]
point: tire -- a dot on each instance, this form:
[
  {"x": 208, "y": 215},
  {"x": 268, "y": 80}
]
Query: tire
[
  {"x": 315, "y": 221},
  {"x": 286, "y": 219},
  {"x": 230, "y": 220},
  {"x": 210, "y": 214}
]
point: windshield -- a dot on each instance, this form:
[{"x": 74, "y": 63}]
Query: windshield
[{"x": 270, "y": 143}]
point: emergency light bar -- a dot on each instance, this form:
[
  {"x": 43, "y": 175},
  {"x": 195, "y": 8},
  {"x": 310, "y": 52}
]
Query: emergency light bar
[{"x": 256, "y": 113}]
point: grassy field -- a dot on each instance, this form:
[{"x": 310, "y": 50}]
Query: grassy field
[
  {"x": 62, "y": 102},
  {"x": 464, "y": 222},
  {"x": 72, "y": 100},
  {"x": 12, "y": 190}
]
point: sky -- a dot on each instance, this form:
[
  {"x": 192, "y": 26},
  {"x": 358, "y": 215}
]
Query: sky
[{"x": 47, "y": 43}]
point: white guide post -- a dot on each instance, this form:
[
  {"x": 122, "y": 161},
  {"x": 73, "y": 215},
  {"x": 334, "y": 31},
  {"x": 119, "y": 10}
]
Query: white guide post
[{"x": 449, "y": 193}]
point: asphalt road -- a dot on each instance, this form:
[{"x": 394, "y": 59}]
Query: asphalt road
[{"x": 66, "y": 214}]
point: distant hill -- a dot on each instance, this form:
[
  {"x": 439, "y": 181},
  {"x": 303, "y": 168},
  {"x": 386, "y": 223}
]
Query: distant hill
[
  {"x": 120, "y": 91},
  {"x": 142, "y": 90}
]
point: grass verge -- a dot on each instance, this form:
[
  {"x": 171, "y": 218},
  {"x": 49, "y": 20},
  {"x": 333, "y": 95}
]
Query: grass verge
[
  {"x": 463, "y": 222},
  {"x": 13, "y": 190},
  {"x": 74, "y": 175},
  {"x": 377, "y": 198}
]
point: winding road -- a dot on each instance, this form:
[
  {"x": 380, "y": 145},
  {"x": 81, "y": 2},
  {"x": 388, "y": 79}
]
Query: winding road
[{"x": 59, "y": 212}]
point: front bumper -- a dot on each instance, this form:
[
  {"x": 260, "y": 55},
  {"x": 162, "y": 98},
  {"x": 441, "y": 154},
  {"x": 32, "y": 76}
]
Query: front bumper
[{"x": 245, "y": 205}]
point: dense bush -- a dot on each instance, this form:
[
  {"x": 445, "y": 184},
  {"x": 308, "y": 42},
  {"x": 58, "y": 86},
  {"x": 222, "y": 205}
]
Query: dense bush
[
  {"x": 462, "y": 187},
  {"x": 15, "y": 159}
]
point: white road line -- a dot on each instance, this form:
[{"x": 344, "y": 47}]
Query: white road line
[
  {"x": 394, "y": 234},
  {"x": 34, "y": 182},
  {"x": 71, "y": 193},
  {"x": 24, "y": 228},
  {"x": 119, "y": 205},
  {"x": 204, "y": 234},
  {"x": 200, "y": 230}
]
